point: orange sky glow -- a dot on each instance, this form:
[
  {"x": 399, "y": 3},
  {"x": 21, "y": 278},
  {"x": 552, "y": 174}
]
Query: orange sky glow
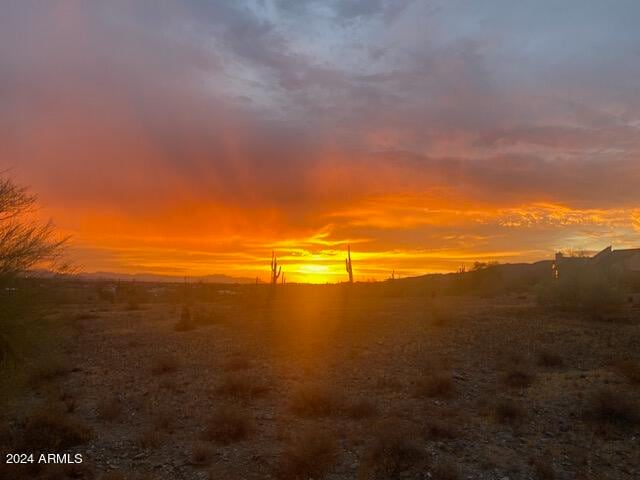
[{"x": 194, "y": 138}]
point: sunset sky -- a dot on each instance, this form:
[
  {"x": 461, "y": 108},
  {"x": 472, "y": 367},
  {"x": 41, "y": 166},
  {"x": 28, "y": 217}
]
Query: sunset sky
[{"x": 195, "y": 137}]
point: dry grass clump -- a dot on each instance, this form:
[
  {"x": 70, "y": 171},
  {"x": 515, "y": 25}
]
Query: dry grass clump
[
  {"x": 185, "y": 323},
  {"x": 360, "y": 408},
  {"x": 435, "y": 385},
  {"x": 201, "y": 454},
  {"x": 150, "y": 439},
  {"x": 163, "y": 420},
  {"x": 630, "y": 370},
  {"x": 543, "y": 469},
  {"x": 110, "y": 410},
  {"x": 438, "y": 429},
  {"x": 507, "y": 411},
  {"x": 445, "y": 471},
  {"x": 52, "y": 370},
  {"x": 115, "y": 475},
  {"x": 315, "y": 401},
  {"x": 441, "y": 316},
  {"x": 227, "y": 425},
  {"x": 393, "y": 449},
  {"x": 308, "y": 455},
  {"x": 51, "y": 430},
  {"x": 205, "y": 317},
  {"x": 547, "y": 358},
  {"x": 238, "y": 362},
  {"x": 518, "y": 377},
  {"x": 614, "y": 407},
  {"x": 241, "y": 386},
  {"x": 163, "y": 364}
]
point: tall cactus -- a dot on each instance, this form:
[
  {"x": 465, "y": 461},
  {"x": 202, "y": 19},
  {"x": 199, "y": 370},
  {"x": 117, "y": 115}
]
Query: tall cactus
[
  {"x": 348, "y": 265},
  {"x": 275, "y": 270}
]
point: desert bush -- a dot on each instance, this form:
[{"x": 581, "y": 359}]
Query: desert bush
[
  {"x": 228, "y": 424},
  {"x": 630, "y": 370},
  {"x": 438, "y": 429},
  {"x": 315, "y": 401},
  {"x": 164, "y": 420},
  {"x": 307, "y": 455},
  {"x": 241, "y": 386},
  {"x": 543, "y": 469},
  {"x": 616, "y": 407},
  {"x": 150, "y": 439},
  {"x": 49, "y": 371},
  {"x": 435, "y": 385},
  {"x": 201, "y": 454},
  {"x": 445, "y": 471},
  {"x": 392, "y": 449},
  {"x": 110, "y": 409},
  {"x": 584, "y": 289},
  {"x": 441, "y": 315},
  {"x": 185, "y": 323},
  {"x": 360, "y": 408},
  {"x": 518, "y": 377},
  {"x": 238, "y": 362},
  {"x": 507, "y": 411},
  {"x": 163, "y": 364},
  {"x": 51, "y": 430},
  {"x": 547, "y": 358},
  {"x": 205, "y": 317}
]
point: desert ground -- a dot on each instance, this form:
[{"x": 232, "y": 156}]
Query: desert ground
[{"x": 332, "y": 382}]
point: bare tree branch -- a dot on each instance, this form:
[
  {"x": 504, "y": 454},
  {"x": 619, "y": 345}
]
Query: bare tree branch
[{"x": 24, "y": 243}]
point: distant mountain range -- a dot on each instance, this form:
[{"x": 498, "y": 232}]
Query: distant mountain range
[{"x": 147, "y": 277}]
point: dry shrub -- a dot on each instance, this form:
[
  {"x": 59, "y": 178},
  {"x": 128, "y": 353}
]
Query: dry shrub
[
  {"x": 392, "y": 449},
  {"x": 163, "y": 420},
  {"x": 51, "y": 430},
  {"x": 163, "y": 364},
  {"x": 184, "y": 324},
  {"x": 48, "y": 372},
  {"x": 315, "y": 401},
  {"x": 547, "y": 358},
  {"x": 308, "y": 455},
  {"x": 614, "y": 407},
  {"x": 360, "y": 408},
  {"x": 630, "y": 370},
  {"x": 238, "y": 362},
  {"x": 110, "y": 410},
  {"x": 65, "y": 472},
  {"x": 441, "y": 316},
  {"x": 237, "y": 386},
  {"x": 507, "y": 411},
  {"x": 388, "y": 383},
  {"x": 445, "y": 471},
  {"x": 115, "y": 475},
  {"x": 438, "y": 429},
  {"x": 227, "y": 425},
  {"x": 435, "y": 385},
  {"x": 201, "y": 454},
  {"x": 518, "y": 377},
  {"x": 543, "y": 469},
  {"x": 150, "y": 439},
  {"x": 205, "y": 317},
  {"x": 132, "y": 306}
]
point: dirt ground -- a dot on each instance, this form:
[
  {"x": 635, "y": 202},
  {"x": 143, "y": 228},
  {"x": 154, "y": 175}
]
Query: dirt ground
[{"x": 312, "y": 385}]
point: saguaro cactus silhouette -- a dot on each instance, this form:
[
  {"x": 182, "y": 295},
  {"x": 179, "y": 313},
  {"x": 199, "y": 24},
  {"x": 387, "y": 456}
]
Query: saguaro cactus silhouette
[
  {"x": 348, "y": 265},
  {"x": 275, "y": 270}
]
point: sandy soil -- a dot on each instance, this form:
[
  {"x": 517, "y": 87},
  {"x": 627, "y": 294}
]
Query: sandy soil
[{"x": 479, "y": 388}]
